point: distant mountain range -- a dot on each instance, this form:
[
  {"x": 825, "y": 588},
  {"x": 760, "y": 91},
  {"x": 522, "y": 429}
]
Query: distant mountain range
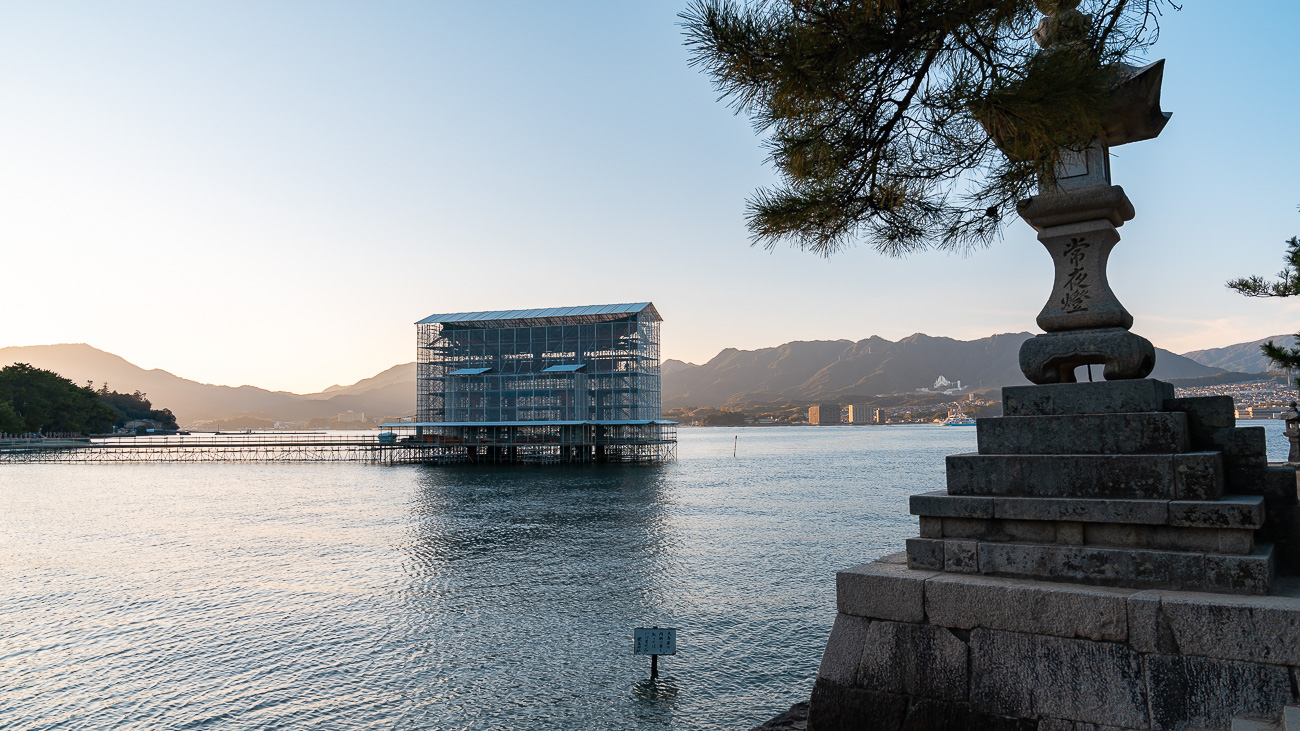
[
  {"x": 798, "y": 372},
  {"x": 391, "y": 393},
  {"x": 1242, "y": 357},
  {"x": 844, "y": 371}
]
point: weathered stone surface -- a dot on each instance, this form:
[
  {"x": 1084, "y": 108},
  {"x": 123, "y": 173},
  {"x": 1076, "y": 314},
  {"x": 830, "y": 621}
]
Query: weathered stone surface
[
  {"x": 1152, "y": 537},
  {"x": 1276, "y": 483},
  {"x": 1205, "y": 412},
  {"x": 1236, "y": 541},
  {"x": 1285, "y": 535},
  {"x": 925, "y": 553},
  {"x": 1108, "y": 203},
  {"x": 1095, "y": 565},
  {"x": 1081, "y": 295},
  {"x": 931, "y": 527},
  {"x": 932, "y": 715},
  {"x": 1132, "y": 433},
  {"x": 1198, "y": 476},
  {"x": 940, "y": 504},
  {"x": 1031, "y": 676},
  {"x": 1032, "y": 531},
  {"x": 922, "y": 660},
  {"x": 1171, "y": 569},
  {"x": 1148, "y": 628},
  {"x": 843, "y": 653},
  {"x": 1249, "y": 574},
  {"x": 1056, "y": 724},
  {"x": 881, "y": 590},
  {"x": 1260, "y": 629},
  {"x": 1252, "y": 724},
  {"x": 837, "y": 707},
  {"x": 1232, "y": 511},
  {"x": 1193, "y": 476},
  {"x": 898, "y": 557},
  {"x": 1196, "y": 692},
  {"x": 1239, "y": 444},
  {"x": 1069, "y": 532},
  {"x": 961, "y": 557},
  {"x": 1081, "y": 509},
  {"x": 1052, "y": 358},
  {"x": 1061, "y": 610},
  {"x": 1108, "y": 397},
  {"x": 1055, "y": 562}
]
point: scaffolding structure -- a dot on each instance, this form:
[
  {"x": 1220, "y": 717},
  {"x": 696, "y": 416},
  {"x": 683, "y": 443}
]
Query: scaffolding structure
[{"x": 566, "y": 384}]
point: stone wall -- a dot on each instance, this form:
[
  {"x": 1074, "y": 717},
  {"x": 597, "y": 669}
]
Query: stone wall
[{"x": 914, "y": 649}]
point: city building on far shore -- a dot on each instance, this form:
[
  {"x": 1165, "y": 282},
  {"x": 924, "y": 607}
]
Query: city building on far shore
[
  {"x": 824, "y": 414},
  {"x": 860, "y": 414}
]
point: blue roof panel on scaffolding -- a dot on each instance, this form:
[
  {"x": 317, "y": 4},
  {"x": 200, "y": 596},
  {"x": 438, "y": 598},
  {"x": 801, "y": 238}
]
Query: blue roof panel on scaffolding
[
  {"x": 564, "y": 368},
  {"x": 469, "y": 372},
  {"x": 501, "y": 316}
]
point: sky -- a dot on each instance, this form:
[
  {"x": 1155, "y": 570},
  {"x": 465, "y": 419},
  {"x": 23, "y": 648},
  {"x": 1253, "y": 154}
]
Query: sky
[{"x": 273, "y": 193}]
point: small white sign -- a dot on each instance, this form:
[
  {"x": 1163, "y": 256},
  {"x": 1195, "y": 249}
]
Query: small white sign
[{"x": 655, "y": 641}]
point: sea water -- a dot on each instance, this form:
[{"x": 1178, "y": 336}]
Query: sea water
[{"x": 341, "y": 596}]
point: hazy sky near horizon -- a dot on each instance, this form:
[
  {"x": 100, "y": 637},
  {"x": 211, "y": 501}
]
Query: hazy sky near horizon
[{"x": 272, "y": 193}]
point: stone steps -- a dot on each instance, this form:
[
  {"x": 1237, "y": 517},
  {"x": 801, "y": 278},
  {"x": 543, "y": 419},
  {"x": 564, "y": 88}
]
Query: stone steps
[
  {"x": 1148, "y": 432},
  {"x": 1232, "y": 511},
  {"x": 1102, "y": 397},
  {"x": 1113, "y": 483},
  {"x": 1139, "y": 568},
  {"x": 1188, "y": 476}
]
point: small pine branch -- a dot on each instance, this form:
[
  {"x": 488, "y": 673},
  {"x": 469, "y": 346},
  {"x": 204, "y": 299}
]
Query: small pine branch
[{"x": 1288, "y": 280}]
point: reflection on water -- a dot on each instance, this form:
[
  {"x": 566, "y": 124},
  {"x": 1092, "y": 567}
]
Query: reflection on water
[{"x": 352, "y": 596}]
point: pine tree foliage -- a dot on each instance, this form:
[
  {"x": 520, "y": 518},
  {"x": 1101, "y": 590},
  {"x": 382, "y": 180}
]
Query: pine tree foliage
[
  {"x": 1286, "y": 285},
  {"x": 878, "y": 113},
  {"x": 38, "y": 400}
]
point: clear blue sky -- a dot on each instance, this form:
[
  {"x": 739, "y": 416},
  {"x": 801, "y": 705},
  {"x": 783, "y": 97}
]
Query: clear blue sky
[{"x": 272, "y": 193}]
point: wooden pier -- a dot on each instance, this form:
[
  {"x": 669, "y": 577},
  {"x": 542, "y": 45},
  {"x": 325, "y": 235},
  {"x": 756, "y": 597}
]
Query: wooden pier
[{"x": 272, "y": 447}]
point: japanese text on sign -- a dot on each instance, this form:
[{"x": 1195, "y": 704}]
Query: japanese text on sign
[{"x": 655, "y": 641}]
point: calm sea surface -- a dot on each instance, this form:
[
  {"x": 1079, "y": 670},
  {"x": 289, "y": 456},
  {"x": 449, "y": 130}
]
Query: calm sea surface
[{"x": 346, "y": 596}]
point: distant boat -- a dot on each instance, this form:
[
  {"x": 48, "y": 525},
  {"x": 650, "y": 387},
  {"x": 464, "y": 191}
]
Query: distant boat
[{"x": 959, "y": 418}]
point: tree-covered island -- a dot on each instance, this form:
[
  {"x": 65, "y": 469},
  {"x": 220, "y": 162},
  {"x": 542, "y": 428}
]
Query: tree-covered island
[{"x": 34, "y": 400}]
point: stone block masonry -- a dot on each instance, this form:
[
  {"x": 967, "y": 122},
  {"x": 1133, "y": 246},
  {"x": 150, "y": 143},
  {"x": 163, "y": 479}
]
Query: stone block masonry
[
  {"x": 913, "y": 649},
  {"x": 1108, "y": 560},
  {"x": 1114, "y": 483}
]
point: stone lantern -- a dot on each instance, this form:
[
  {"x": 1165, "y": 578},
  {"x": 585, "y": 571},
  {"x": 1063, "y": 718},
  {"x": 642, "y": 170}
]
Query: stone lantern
[{"x": 1292, "y": 432}]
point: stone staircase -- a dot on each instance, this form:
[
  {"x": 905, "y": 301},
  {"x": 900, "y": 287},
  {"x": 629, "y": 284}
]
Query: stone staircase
[
  {"x": 1113, "y": 483},
  {"x": 1290, "y": 721}
]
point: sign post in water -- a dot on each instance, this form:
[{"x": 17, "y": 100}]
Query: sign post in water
[{"x": 654, "y": 641}]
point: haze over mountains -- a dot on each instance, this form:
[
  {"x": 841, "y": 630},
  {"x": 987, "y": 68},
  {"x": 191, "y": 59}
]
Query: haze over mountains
[
  {"x": 387, "y": 394},
  {"x": 844, "y": 371},
  {"x": 1242, "y": 357},
  {"x": 797, "y": 372}
]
